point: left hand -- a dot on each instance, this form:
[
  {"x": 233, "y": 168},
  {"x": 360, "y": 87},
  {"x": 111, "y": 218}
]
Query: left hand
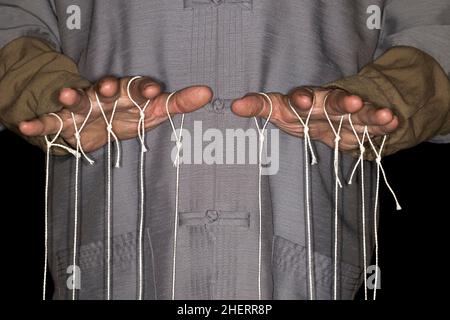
[{"x": 379, "y": 120}]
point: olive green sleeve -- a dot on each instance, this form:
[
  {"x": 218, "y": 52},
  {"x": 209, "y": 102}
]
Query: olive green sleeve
[
  {"x": 414, "y": 86},
  {"x": 31, "y": 75}
]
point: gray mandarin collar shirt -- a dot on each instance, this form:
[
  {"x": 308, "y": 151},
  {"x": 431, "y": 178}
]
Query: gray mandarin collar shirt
[{"x": 235, "y": 47}]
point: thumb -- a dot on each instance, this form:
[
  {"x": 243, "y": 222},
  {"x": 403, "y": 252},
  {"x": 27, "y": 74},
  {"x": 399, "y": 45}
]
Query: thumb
[
  {"x": 183, "y": 101},
  {"x": 251, "y": 105}
]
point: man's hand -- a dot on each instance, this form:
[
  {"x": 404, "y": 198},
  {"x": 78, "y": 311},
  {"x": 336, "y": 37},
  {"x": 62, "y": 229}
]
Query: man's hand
[
  {"x": 126, "y": 118},
  {"x": 379, "y": 121}
]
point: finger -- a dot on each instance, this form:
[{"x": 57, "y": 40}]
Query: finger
[
  {"x": 183, "y": 101},
  {"x": 74, "y": 100},
  {"x": 44, "y": 125},
  {"x": 302, "y": 99},
  {"x": 317, "y": 128},
  {"x": 258, "y": 105},
  {"x": 251, "y": 105},
  {"x": 340, "y": 102},
  {"x": 348, "y": 140},
  {"x": 108, "y": 89},
  {"x": 373, "y": 116},
  {"x": 141, "y": 89},
  {"x": 93, "y": 136},
  {"x": 384, "y": 129}
]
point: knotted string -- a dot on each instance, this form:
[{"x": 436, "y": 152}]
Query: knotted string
[
  {"x": 380, "y": 167},
  {"x": 176, "y": 163},
  {"x": 360, "y": 162},
  {"x": 50, "y": 144},
  {"x": 141, "y": 136},
  {"x": 308, "y": 144},
  {"x": 78, "y": 132},
  {"x": 108, "y": 211},
  {"x": 375, "y": 214},
  {"x": 141, "y": 123},
  {"x": 337, "y": 138},
  {"x": 109, "y": 128},
  {"x": 75, "y": 210},
  {"x": 261, "y": 139},
  {"x": 305, "y": 125},
  {"x": 337, "y": 185}
]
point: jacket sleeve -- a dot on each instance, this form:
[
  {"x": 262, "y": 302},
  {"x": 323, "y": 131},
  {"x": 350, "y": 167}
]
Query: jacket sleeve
[
  {"x": 410, "y": 71},
  {"x": 32, "y": 69}
]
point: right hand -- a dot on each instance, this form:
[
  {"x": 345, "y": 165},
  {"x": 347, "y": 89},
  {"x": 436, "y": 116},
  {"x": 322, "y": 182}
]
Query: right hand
[{"x": 125, "y": 123}]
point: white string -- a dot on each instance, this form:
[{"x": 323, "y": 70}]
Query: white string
[
  {"x": 337, "y": 185},
  {"x": 50, "y": 144},
  {"x": 109, "y": 127},
  {"x": 75, "y": 210},
  {"x": 176, "y": 163},
  {"x": 305, "y": 125},
  {"x": 141, "y": 136},
  {"x": 378, "y": 161},
  {"x": 360, "y": 162},
  {"x": 108, "y": 211},
  {"x": 141, "y": 123},
  {"x": 308, "y": 143},
  {"x": 261, "y": 132},
  {"x": 362, "y": 149},
  {"x": 375, "y": 214},
  {"x": 336, "y": 219},
  {"x": 78, "y": 131},
  {"x": 375, "y": 231},
  {"x": 336, "y": 139}
]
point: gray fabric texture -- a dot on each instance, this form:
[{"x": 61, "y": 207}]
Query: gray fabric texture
[{"x": 235, "y": 47}]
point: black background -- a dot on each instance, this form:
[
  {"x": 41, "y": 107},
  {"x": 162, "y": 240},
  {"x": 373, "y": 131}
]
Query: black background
[{"x": 413, "y": 242}]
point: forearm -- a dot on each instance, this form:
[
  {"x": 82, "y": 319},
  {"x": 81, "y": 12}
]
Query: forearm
[
  {"x": 31, "y": 75},
  {"x": 414, "y": 86}
]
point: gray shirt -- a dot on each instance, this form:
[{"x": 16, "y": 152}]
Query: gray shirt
[{"x": 235, "y": 47}]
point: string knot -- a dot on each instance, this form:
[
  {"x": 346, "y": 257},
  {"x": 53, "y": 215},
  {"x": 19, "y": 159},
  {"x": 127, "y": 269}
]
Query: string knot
[
  {"x": 77, "y": 136},
  {"x": 337, "y": 139},
  {"x": 261, "y": 138},
  {"x": 362, "y": 149},
  {"x": 142, "y": 114},
  {"x": 75, "y": 154},
  {"x": 109, "y": 127},
  {"x": 378, "y": 160},
  {"x": 178, "y": 144},
  {"x": 306, "y": 130}
]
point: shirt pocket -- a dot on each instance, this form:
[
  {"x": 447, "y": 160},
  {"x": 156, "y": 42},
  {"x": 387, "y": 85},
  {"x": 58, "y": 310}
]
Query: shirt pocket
[
  {"x": 290, "y": 273},
  {"x": 93, "y": 272}
]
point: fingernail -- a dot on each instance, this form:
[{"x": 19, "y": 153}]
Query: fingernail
[{"x": 147, "y": 85}]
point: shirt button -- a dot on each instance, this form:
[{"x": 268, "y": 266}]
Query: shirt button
[
  {"x": 218, "y": 105},
  {"x": 212, "y": 216}
]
